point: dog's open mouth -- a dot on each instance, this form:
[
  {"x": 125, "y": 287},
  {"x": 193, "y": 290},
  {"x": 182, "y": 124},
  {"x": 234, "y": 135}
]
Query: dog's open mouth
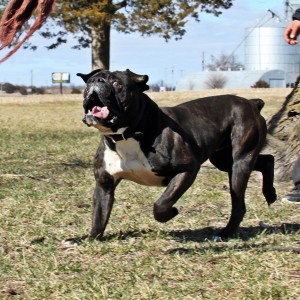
[
  {"x": 97, "y": 111},
  {"x": 100, "y": 112},
  {"x": 103, "y": 114}
]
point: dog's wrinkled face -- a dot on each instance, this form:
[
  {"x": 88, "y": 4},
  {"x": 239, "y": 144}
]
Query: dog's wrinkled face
[{"x": 110, "y": 98}]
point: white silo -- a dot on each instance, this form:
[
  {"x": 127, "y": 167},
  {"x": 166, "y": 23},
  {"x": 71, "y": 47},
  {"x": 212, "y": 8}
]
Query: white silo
[
  {"x": 290, "y": 7},
  {"x": 267, "y": 56},
  {"x": 265, "y": 50}
]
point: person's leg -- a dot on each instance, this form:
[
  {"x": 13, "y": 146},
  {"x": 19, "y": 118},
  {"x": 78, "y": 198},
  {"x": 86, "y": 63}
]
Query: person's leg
[
  {"x": 296, "y": 172},
  {"x": 294, "y": 196}
]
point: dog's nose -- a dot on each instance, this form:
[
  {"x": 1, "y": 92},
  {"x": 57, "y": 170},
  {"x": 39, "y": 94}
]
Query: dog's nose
[{"x": 85, "y": 122}]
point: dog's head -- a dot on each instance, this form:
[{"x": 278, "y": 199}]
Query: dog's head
[{"x": 111, "y": 99}]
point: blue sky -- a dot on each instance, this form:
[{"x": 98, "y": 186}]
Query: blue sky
[{"x": 149, "y": 55}]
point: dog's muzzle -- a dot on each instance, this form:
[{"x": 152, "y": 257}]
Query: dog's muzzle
[
  {"x": 85, "y": 121},
  {"x": 89, "y": 119}
]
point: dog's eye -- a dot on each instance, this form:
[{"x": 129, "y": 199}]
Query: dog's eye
[{"x": 117, "y": 85}]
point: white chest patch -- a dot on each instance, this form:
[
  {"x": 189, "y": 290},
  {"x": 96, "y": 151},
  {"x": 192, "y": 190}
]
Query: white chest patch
[{"x": 129, "y": 162}]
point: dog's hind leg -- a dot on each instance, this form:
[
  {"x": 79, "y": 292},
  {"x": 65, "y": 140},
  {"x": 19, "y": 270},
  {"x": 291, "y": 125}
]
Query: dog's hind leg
[
  {"x": 163, "y": 209},
  {"x": 265, "y": 165},
  {"x": 222, "y": 159},
  {"x": 238, "y": 175},
  {"x": 238, "y": 179},
  {"x": 246, "y": 144}
]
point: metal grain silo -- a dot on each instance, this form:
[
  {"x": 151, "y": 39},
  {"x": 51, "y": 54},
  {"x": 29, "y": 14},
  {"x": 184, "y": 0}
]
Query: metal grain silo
[{"x": 265, "y": 50}]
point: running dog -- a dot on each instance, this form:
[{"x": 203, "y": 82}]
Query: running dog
[{"x": 165, "y": 146}]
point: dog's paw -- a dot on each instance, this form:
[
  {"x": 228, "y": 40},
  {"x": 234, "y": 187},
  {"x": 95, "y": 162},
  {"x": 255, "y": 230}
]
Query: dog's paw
[
  {"x": 164, "y": 217},
  {"x": 227, "y": 233},
  {"x": 270, "y": 196}
]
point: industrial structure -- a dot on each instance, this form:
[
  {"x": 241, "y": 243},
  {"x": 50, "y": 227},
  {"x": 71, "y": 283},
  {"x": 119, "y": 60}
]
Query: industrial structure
[{"x": 267, "y": 57}]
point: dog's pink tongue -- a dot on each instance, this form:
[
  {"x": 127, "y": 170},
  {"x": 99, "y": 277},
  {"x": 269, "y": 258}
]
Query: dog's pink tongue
[{"x": 100, "y": 112}]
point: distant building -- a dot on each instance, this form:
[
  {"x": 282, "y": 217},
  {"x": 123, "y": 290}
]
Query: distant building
[{"x": 267, "y": 57}]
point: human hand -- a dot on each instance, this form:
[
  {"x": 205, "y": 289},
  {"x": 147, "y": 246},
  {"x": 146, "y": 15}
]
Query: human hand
[{"x": 291, "y": 32}]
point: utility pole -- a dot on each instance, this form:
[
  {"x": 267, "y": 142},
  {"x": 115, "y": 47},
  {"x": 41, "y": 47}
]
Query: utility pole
[{"x": 172, "y": 73}]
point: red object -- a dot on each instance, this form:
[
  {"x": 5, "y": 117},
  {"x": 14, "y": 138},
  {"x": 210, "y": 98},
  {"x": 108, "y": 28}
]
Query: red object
[{"x": 16, "y": 14}]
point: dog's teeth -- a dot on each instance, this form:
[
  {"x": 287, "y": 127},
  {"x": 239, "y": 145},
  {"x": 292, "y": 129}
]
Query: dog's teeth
[{"x": 112, "y": 120}]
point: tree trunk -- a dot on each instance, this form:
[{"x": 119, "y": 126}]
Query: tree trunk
[
  {"x": 100, "y": 46},
  {"x": 284, "y": 133}
]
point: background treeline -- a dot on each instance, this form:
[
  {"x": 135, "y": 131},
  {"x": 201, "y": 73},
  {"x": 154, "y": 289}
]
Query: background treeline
[{"x": 9, "y": 88}]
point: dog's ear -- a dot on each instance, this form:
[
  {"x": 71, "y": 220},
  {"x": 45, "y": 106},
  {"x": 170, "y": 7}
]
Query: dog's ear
[
  {"x": 140, "y": 80},
  {"x": 86, "y": 77}
]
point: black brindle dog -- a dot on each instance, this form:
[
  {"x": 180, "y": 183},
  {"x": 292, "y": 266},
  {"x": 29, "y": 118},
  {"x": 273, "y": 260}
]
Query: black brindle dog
[{"x": 166, "y": 146}]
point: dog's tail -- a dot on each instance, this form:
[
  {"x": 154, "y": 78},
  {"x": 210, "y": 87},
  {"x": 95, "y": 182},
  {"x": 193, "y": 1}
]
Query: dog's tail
[{"x": 258, "y": 103}]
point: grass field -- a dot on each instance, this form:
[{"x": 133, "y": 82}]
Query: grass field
[{"x": 46, "y": 180}]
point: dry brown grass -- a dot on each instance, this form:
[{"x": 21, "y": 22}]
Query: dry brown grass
[{"x": 273, "y": 97}]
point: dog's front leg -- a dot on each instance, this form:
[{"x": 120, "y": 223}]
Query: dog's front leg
[
  {"x": 163, "y": 209},
  {"x": 103, "y": 199}
]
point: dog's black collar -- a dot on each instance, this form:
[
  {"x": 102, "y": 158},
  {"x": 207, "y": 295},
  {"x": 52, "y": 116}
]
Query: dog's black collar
[{"x": 124, "y": 136}]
